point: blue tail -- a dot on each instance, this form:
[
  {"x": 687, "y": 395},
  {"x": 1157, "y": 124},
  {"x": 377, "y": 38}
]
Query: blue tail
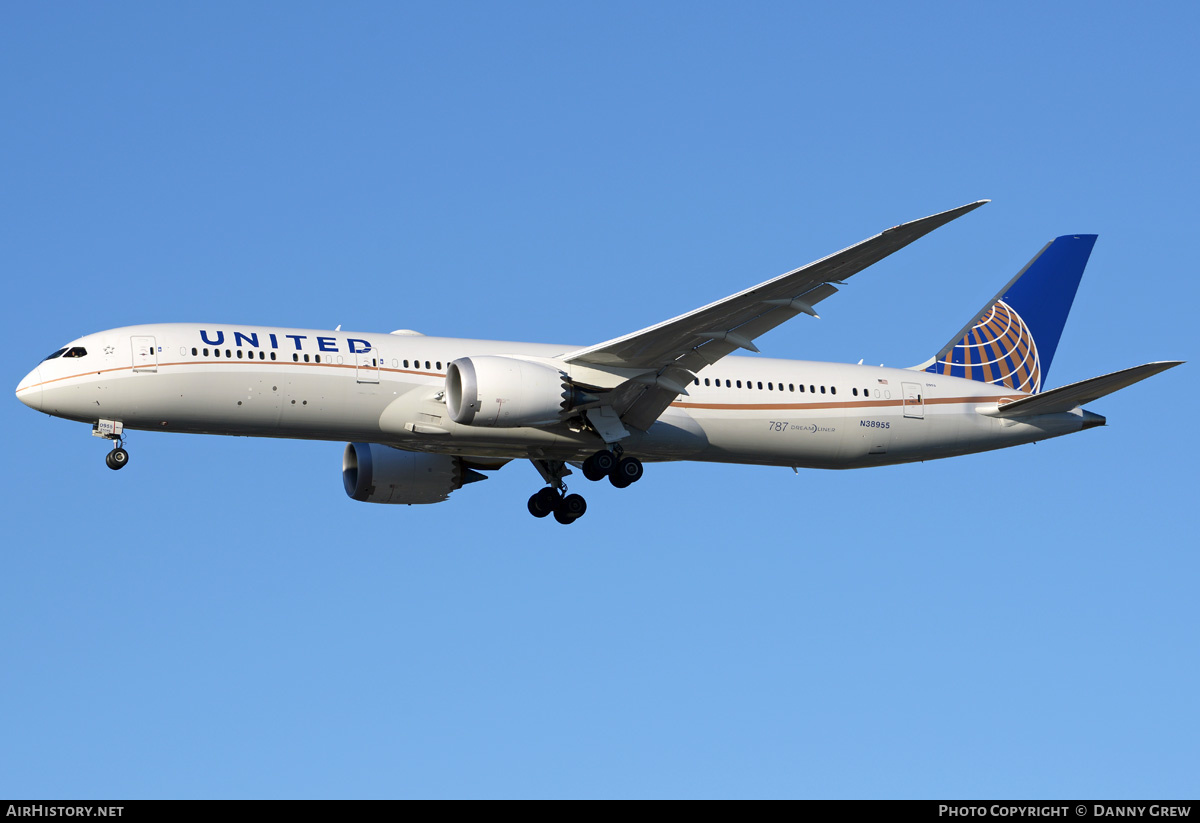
[{"x": 1012, "y": 339}]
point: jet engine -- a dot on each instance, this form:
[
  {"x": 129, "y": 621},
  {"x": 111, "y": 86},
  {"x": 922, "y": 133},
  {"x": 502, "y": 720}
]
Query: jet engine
[
  {"x": 504, "y": 392},
  {"x": 380, "y": 474}
]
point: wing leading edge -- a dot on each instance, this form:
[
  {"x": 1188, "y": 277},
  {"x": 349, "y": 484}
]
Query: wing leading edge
[{"x": 672, "y": 351}]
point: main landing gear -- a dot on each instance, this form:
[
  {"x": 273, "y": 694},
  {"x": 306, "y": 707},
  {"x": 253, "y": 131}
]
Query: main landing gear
[
  {"x": 567, "y": 508},
  {"x": 620, "y": 471},
  {"x": 118, "y": 457}
]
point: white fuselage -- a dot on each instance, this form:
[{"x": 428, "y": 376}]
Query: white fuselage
[{"x": 388, "y": 389}]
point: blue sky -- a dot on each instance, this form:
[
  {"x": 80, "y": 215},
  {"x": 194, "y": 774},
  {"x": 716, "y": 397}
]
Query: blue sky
[{"x": 220, "y": 620}]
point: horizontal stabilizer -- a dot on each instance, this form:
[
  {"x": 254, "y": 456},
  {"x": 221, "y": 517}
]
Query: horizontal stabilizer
[{"x": 1066, "y": 398}]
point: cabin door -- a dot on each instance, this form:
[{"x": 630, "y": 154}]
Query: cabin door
[
  {"x": 367, "y": 365},
  {"x": 914, "y": 403},
  {"x": 145, "y": 354}
]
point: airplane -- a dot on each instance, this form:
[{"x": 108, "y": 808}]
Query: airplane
[{"x": 424, "y": 416}]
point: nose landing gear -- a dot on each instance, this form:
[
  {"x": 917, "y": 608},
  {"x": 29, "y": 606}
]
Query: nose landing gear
[
  {"x": 117, "y": 458},
  {"x": 112, "y": 430}
]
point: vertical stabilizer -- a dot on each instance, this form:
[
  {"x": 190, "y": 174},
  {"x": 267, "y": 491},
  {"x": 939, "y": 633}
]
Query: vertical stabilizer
[{"x": 1012, "y": 339}]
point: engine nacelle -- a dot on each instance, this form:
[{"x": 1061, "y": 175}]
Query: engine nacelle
[
  {"x": 380, "y": 474},
  {"x": 505, "y": 392}
]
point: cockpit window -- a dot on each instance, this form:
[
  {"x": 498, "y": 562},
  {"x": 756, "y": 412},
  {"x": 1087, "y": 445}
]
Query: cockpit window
[
  {"x": 75, "y": 351},
  {"x": 58, "y": 353}
]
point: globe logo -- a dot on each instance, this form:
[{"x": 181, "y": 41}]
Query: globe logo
[{"x": 999, "y": 349}]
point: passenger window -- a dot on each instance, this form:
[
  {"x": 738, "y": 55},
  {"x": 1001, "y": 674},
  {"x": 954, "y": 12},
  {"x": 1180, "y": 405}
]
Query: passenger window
[
  {"x": 706, "y": 381},
  {"x": 206, "y": 352},
  {"x": 193, "y": 352},
  {"x": 426, "y": 365},
  {"x": 833, "y": 389},
  {"x": 801, "y": 387},
  {"x": 306, "y": 358},
  {"x": 770, "y": 387},
  {"x": 855, "y": 392},
  {"x": 295, "y": 357},
  {"x": 216, "y": 352},
  {"x": 760, "y": 384},
  {"x": 739, "y": 384},
  {"x": 728, "y": 385},
  {"x": 239, "y": 354},
  {"x": 228, "y": 353},
  {"x": 317, "y": 357},
  {"x": 812, "y": 389},
  {"x": 439, "y": 365},
  {"x": 792, "y": 387},
  {"x": 272, "y": 355},
  {"x": 822, "y": 390}
]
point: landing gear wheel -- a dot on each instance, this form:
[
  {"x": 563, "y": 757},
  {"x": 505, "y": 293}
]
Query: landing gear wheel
[
  {"x": 543, "y": 502},
  {"x": 629, "y": 470},
  {"x": 591, "y": 471},
  {"x": 116, "y": 459},
  {"x": 563, "y": 517},
  {"x": 573, "y": 506},
  {"x": 599, "y": 465}
]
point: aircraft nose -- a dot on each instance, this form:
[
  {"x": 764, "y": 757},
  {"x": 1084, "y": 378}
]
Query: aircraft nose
[{"x": 29, "y": 390}]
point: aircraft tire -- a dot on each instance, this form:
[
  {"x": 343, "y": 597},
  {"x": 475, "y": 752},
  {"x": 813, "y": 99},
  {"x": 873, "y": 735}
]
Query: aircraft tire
[
  {"x": 543, "y": 502},
  {"x": 116, "y": 459},
  {"x": 592, "y": 471},
  {"x": 573, "y": 505},
  {"x": 629, "y": 470}
]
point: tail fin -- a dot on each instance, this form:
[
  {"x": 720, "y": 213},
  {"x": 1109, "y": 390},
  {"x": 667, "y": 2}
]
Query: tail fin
[{"x": 1012, "y": 339}]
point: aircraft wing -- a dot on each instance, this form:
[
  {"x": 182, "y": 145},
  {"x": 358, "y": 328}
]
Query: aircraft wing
[
  {"x": 671, "y": 352},
  {"x": 1066, "y": 398}
]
